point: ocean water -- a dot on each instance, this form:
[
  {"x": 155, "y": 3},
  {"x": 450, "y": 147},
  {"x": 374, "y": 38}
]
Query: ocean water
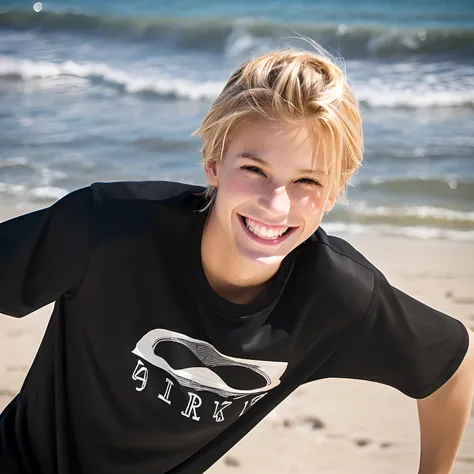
[{"x": 102, "y": 91}]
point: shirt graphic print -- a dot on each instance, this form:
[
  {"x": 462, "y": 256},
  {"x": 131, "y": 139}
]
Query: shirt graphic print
[{"x": 206, "y": 370}]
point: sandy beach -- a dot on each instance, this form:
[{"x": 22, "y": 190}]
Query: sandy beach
[{"x": 330, "y": 426}]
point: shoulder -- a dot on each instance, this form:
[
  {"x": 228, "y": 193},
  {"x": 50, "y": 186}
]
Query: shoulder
[
  {"x": 139, "y": 208},
  {"x": 150, "y": 191},
  {"x": 341, "y": 250},
  {"x": 139, "y": 199},
  {"x": 338, "y": 257},
  {"x": 340, "y": 272}
]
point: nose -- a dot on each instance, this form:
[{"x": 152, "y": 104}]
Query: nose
[{"x": 276, "y": 202}]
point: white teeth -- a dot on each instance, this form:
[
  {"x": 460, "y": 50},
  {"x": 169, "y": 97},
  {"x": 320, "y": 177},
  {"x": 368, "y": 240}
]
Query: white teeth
[{"x": 262, "y": 231}]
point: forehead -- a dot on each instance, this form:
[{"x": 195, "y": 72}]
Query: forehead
[{"x": 277, "y": 142}]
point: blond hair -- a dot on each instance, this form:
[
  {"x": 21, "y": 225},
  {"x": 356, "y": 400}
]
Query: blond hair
[{"x": 294, "y": 86}]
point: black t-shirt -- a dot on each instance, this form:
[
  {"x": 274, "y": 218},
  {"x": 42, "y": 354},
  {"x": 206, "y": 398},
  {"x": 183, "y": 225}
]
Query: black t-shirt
[{"x": 144, "y": 369}]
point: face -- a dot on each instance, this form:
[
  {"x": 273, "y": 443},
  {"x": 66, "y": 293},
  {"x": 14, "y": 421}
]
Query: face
[{"x": 273, "y": 188}]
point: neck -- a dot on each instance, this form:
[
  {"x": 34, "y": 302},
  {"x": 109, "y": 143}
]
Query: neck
[{"x": 229, "y": 274}]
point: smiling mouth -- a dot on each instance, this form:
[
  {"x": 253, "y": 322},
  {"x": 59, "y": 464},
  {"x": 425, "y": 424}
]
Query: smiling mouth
[{"x": 265, "y": 233}]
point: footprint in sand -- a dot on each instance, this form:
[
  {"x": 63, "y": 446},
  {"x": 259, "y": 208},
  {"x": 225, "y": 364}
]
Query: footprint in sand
[
  {"x": 231, "y": 462},
  {"x": 315, "y": 423},
  {"x": 17, "y": 368},
  {"x": 16, "y": 333},
  {"x": 364, "y": 442},
  {"x": 309, "y": 421},
  {"x": 6, "y": 392},
  {"x": 465, "y": 300},
  {"x": 361, "y": 442}
]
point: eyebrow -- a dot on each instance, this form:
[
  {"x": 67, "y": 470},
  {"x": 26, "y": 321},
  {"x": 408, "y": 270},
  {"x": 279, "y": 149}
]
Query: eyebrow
[{"x": 261, "y": 161}]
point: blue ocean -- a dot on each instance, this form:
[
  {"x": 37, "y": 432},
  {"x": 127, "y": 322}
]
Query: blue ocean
[{"x": 93, "y": 90}]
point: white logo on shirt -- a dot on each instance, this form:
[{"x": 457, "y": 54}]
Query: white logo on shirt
[{"x": 204, "y": 378}]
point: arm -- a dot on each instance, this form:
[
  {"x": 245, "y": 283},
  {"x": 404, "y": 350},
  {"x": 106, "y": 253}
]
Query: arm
[
  {"x": 443, "y": 416},
  {"x": 43, "y": 254}
]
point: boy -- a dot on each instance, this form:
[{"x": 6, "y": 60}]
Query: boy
[{"x": 182, "y": 319}]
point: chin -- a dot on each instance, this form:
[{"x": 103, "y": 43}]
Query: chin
[
  {"x": 262, "y": 260},
  {"x": 270, "y": 260},
  {"x": 261, "y": 257}
]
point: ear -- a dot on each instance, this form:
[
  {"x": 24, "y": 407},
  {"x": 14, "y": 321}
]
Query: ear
[
  {"x": 211, "y": 172},
  {"x": 331, "y": 200}
]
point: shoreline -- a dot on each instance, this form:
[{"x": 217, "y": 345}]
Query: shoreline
[{"x": 10, "y": 210}]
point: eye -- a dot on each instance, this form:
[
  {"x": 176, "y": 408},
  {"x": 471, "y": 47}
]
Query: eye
[
  {"x": 253, "y": 169},
  {"x": 309, "y": 181}
]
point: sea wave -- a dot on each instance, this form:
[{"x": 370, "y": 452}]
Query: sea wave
[
  {"x": 419, "y": 232},
  {"x": 406, "y": 216},
  {"x": 14, "y": 162},
  {"x": 416, "y": 99},
  {"x": 219, "y": 34},
  {"x": 459, "y": 189},
  {"x": 46, "y": 193},
  {"x": 159, "y": 84},
  {"x": 167, "y": 86},
  {"x": 38, "y": 194},
  {"x": 420, "y": 212},
  {"x": 163, "y": 145},
  {"x": 12, "y": 189}
]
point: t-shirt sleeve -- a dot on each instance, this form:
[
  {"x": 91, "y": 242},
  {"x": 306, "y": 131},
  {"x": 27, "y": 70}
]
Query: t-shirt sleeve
[
  {"x": 400, "y": 342},
  {"x": 43, "y": 254}
]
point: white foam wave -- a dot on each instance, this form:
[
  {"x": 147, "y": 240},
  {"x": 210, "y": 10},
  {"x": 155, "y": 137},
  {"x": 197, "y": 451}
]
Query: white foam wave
[
  {"x": 46, "y": 193},
  {"x": 241, "y": 43},
  {"x": 12, "y": 189},
  {"x": 421, "y": 212},
  {"x": 48, "y": 175},
  {"x": 28, "y": 197},
  {"x": 160, "y": 83},
  {"x": 12, "y": 162},
  {"x": 419, "y": 232},
  {"x": 412, "y": 98}
]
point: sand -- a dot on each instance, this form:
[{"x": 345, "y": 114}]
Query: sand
[{"x": 334, "y": 425}]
